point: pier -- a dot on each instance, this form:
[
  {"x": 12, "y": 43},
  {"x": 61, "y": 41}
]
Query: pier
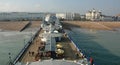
[
  {"x": 71, "y": 51},
  {"x": 26, "y": 47},
  {"x": 69, "y": 48},
  {"x": 29, "y": 55}
]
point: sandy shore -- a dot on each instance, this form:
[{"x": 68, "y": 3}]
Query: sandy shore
[
  {"x": 92, "y": 25},
  {"x": 13, "y": 26},
  {"x": 35, "y": 24},
  {"x": 17, "y": 25}
]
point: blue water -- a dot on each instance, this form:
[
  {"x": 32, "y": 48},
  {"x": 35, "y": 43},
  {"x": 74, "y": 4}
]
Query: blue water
[
  {"x": 103, "y": 46},
  {"x": 12, "y": 42}
]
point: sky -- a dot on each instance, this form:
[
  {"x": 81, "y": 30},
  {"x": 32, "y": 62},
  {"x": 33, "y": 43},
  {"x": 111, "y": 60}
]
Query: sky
[{"x": 108, "y": 7}]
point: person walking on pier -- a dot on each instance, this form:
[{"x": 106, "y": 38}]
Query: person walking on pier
[
  {"x": 29, "y": 53},
  {"x": 33, "y": 53},
  {"x": 91, "y": 61}
]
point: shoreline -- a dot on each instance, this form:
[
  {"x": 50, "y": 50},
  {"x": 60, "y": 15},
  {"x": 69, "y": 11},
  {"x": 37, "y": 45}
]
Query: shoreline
[
  {"x": 111, "y": 26},
  {"x": 18, "y": 25}
]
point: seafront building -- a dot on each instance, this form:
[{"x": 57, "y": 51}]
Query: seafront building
[
  {"x": 20, "y": 16},
  {"x": 93, "y": 15},
  {"x": 68, "y": 16},
  {"x": 16, "y": 16},
  {"x": 61, "y": 15},
  {"x": 118, "y": 17},
  {"x": 107, "y": 18}
]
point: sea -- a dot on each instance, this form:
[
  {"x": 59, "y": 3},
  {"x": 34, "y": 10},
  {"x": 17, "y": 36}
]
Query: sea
[
  {"x": 12, "y": 42},
  {"x": 102, "y": 45}
]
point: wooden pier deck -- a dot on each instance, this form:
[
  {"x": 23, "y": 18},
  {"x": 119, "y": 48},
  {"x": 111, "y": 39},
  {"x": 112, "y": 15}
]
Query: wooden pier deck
[
  {"x": 33, "y": 48},
  {"x": 69, "y": 49}
]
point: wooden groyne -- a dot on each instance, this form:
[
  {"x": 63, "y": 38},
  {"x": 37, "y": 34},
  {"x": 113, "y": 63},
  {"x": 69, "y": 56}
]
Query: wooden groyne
[
  {"x": 27, "y": 25},
  {"x": 13, "y": 25}
]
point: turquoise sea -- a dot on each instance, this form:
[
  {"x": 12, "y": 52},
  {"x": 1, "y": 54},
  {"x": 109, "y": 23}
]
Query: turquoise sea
[
  {"x": 103, "y": 46},
  {"x": 12, "y": 42}
]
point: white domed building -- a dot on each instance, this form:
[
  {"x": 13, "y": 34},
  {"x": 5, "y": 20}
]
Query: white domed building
[{"x": 93, "y": 15}]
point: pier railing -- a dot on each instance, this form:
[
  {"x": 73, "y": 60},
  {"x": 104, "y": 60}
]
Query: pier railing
[
  {"x": 77, "y": 49},
  {"x": 21, "y": 53}
]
